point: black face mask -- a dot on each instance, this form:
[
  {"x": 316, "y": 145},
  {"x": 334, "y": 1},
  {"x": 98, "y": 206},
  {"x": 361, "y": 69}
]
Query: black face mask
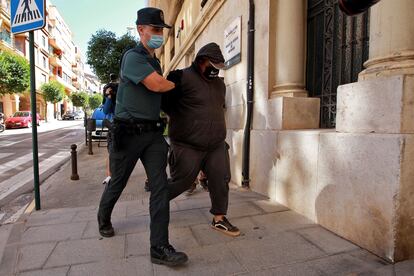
[{"x": 211, "y": 72}]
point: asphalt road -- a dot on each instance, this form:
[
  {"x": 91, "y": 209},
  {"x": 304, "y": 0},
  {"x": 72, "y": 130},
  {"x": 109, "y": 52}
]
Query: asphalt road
[{"x": 16, "y": 160}]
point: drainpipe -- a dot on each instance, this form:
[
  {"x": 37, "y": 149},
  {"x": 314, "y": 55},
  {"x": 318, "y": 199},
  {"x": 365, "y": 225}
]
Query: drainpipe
[{"x": 249, "y": 97}]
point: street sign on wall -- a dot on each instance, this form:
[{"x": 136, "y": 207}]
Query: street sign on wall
[
  {"x": 27, "y": 15},
  {"x": 232, "y": 43}
]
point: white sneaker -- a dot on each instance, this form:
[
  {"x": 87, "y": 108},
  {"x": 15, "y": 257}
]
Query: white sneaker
[{"x": 106, "y": 180}]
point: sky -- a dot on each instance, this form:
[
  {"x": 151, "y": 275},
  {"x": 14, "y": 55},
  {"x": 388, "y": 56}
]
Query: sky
[{"x": 85, "y": 17}]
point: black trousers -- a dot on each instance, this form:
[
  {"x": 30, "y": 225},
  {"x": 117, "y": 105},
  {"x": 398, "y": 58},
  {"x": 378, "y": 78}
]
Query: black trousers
[
  {"x": 152, "y": 149},
  {"x": 185, "y": 164}
]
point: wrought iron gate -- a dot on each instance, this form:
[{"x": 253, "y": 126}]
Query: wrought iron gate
[{"x": 337, "y": 47}]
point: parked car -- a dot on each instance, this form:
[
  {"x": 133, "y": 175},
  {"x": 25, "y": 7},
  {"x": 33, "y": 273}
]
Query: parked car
[
  {"x": 99, "y": 116},
  {"x": 79, "y": 115},
  {"x": 69, "y": 115},
  {"x": 21, "y": 119}
]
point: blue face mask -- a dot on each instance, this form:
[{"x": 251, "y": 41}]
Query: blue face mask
[{"x": 156, "y": 41}]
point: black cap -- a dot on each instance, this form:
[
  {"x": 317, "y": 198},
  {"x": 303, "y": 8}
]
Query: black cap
[
  {"x": 113, "y": 77},
  {"x": 213, "y": 53},
  {"x": 151, "y": 16}
]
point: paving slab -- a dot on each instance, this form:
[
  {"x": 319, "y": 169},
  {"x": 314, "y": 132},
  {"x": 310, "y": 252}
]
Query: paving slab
[
  {"x": 59, "y": 271},
  {"x": 405, "y": 268},
  {"x": 270, "y": 251},
  {"x": 282, "y": 221},
  {"x": 346, "y": 264},
  {"x": 58, "y": 232},
  {"x": 270, "y": 206},
  {"x": 34, "y": 256},
  {"x": 326, "y": 240},
  {"x": 185, "y": 218},
  {"x": 207, "y": 260},
  {"x": 122, "y": 267},
  {"x": 85, "y": 251}
]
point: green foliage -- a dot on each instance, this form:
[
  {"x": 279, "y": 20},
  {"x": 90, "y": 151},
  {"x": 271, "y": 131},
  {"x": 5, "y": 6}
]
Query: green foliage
[
  {"x": 95, "y": 101},
  {"x": 53, "y": 91},
  {"x": 80, "y": 99},
  {"x": 14, "y": 73},
  {"x": 105, "y": 51}
]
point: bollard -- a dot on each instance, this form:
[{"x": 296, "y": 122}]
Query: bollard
[
  {"x": 74, "y": 175},
  {"x": 90, "y": 152},
  {"x": 85, "y": 124},
  {"x": 91, "y": 126}
]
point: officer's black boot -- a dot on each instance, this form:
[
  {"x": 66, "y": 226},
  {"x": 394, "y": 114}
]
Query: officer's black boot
[
  {"x": 105, "y": 228},
  {"x": 166, "y": 255}
]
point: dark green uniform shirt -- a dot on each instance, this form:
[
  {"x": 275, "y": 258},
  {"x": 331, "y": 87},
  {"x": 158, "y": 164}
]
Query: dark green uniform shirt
[{"x": 134, "y": 100}]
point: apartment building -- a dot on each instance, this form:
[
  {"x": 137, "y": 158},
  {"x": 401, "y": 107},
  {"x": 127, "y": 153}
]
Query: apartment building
[{"x": 56, "y": 58}]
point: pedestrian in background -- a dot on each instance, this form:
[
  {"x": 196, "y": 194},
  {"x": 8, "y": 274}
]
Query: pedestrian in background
[{"x": 109, "y": 103}]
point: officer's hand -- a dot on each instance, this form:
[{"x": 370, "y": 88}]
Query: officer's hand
[{"x": 175, "y": 77}]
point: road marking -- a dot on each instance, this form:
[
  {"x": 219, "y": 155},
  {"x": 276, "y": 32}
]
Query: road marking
[
  {"x": 4, "y": 155},
  {"x": 19, "y": 180},
  {"x": 16, "y": 215},
  {"x": 17, "y": 162},
  {"x": 7, "y": 143}
]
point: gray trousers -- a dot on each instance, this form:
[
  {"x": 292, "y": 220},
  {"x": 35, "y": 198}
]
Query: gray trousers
[{"x": 185, "y": 164}]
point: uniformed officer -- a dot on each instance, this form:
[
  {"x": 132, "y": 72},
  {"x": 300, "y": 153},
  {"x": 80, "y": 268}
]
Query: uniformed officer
[
  {"x": 197, "y": 132},
  {"x": 137, "y": 134}
]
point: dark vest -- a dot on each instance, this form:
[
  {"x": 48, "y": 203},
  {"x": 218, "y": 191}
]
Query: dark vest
[{"x": 197, "y": 118}]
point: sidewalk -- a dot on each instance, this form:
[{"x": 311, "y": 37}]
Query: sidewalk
[{"x": 62, "y": 238}]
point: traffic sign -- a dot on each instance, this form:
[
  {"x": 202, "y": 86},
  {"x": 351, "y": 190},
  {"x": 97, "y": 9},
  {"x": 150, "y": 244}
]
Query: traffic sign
[{"x": 27, "y": 15}]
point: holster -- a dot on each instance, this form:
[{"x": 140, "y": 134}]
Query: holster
[{"x": 117, "y": 133}]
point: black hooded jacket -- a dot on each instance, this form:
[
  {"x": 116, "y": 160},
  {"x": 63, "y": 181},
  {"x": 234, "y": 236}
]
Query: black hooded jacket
[{"x": 196, "y": 109}]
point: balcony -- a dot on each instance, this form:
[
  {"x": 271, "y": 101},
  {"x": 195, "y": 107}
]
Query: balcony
[
  {"x": 76, "y": 85},
  {"x": 75, "y": 68},
  {"x": 5, "y": 13},
  {"x": 54, "y": 44},
  {"x": 52, "y": 22},
  {"x": 54, "y": 60}
]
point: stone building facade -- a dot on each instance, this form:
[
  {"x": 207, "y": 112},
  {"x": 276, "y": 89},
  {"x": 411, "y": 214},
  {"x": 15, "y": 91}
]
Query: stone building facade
[{"x": 332, "y": 135}]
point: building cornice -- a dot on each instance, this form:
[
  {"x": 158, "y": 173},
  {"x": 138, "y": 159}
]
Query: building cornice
[{"x": 206, "y": 15}]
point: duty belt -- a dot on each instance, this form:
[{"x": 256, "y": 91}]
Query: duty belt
[{"x": 139, "y": 126}]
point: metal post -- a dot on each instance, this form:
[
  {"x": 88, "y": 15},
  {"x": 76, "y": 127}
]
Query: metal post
[
  {"x": 73, "y": 153},
  {"x": 85, "y": 122},
  {"x": 34, "y": 122},
  {"x": 90, "y": 152}
]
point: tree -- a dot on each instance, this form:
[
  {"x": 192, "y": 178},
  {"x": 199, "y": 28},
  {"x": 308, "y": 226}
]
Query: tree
[
  {"x": 53, "y": 92},
  {"x": 105, "y": 51},
  {"x": 80, "y": 99},
  {"x": 14, "y": 73},
  {"x": 95, "y": 101}
]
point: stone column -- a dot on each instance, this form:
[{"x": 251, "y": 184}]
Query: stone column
[
  {"x": 288, "y": 28},
  {"x": 289, "y": 104},
  {"x": 391, "y": 45}
]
